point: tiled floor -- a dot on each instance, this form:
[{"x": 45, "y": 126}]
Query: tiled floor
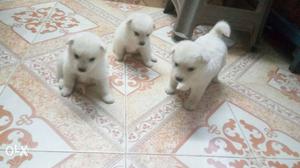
[{"x": 250, "y": 118}]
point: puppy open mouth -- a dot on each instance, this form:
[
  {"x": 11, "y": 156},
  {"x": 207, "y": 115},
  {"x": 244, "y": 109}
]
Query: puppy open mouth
[{"x": 183, "y": 87}]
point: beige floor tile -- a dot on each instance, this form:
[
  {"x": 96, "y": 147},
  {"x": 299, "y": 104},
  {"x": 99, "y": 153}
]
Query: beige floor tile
[{"x": 59, "y": 159}]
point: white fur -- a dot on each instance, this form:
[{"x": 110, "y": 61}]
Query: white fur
[
  {"x": 86, "y": 46},
  {"x": 206, "y": 55},
  {"x": 127, "y": 41}
]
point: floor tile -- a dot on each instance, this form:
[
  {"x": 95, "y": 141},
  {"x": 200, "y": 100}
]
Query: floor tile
[
  {"x": 249, "y": 118},
  {"x": 152, "y": 132},
  {"x": 49, "y": 27},
  {"x": 59, "y": 159},
  {"x": 75, "y": 124},
  {"x": 243, "y": 77},
  {"x": 61, "y": 21},
  {"x": 218, "y": 162},
  {"x": 20, "y": 24},
  {"x": 165, "y": 33},
  {"x": 264, "y": 141},
  {"x": 8, "y": 63},
  {"x": 27, "y": 21},
  {"x": 119, "y": 10},
  {"x": 220, "y": 137},
  {"x": 154, "y": 161},
  {"x": 280, "y": 163}
]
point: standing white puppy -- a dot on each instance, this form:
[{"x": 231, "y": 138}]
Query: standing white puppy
[
  {"x": 132, "y": 36},
  {"x": 197, "y": 63},
  {"x": 84, "y": 62}
]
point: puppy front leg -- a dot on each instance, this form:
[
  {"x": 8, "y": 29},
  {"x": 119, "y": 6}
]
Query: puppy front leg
[
  {"x": 119, "y": 50},
  {"x": 172, "y": 86},
  {"x": 68, "y": 84},
  {"x": 104, "y": 89},
  {"x": 193, "y": 100},
  {"x": 146, "y": 55},
  {"x": 59, "y": 74},
  {"x": 195, "y": 96}
]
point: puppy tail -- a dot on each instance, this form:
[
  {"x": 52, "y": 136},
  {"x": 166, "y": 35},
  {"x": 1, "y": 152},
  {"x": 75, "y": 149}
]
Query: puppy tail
[{"x": 221, "y": 28}]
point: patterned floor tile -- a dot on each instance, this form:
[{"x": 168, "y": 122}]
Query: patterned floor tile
[
  {"x": 168, "y": 120},
  {"x": 255, "y": 76},
  {"x": 166, "y": 161},
  {"x": 264, "y": 141},
  {"x": 279, "y": 163},
  {"x": 165, "y": 33},
  {"x": 153, "y": 161},
  {"x": 215, "y": 162},
  {"x": 8, "y": 63},
  {"x": 248, "y": 119},
  {"x": 20, "y": 23},
  {"x": 27, "y": 21},
  {"x": 274, "y": 81},
  {"x": 42, "y": 27},
  {"x": 220, "y": 137},
  {"x": 121, "y": 10},
  {"x": 146, "y": 90},
  {"x": 58, "y": 159},
  {"x": 44, "y": 21},
  {"x": 75, "y": 123}
]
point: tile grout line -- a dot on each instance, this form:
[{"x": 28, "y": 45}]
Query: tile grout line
[
  {"x": 125, "y": 115},
  {"x": 6, "y": 82},
  {"x": 155, "y": 154}
]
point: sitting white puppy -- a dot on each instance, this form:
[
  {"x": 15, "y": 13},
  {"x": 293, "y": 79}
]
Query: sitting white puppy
[
  {"x": 84, "y": 62},
  {"x": 132, "y": 36},
  {"x": 197, "y": 63}
]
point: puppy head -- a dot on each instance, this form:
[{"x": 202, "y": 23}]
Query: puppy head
[
  {"x": 85, "y": 52},
  {"x": 187, "y": 61},
  {"x": 140, "y": 27}
]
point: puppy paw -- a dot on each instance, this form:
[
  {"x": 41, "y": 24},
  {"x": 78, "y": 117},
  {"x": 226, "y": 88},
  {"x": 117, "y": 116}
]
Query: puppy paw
[
  {"x": 60, "y": 84},
  {"x": 149, "y": 64},
  {"x": 188, "y": 105},
  {"x": 66, "y": 92},
  {"x": 108, "y": 99},
  {"x": 170, "y": 91}
]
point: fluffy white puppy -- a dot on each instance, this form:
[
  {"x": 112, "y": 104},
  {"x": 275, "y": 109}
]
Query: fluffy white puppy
[
  {"x": 132, "y": 36},
  {"x": 84, "y": 63},
  {"x": 197, "y": 63}
]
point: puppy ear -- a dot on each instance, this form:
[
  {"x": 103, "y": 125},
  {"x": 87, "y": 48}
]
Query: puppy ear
[
  {"x": 203, "y": 60},
  {"x": 129, "y": 22},
  {"x": 70, "y": 42},
  {"x": 172, "y": 52},
  {"x": 102, "y": 48}
]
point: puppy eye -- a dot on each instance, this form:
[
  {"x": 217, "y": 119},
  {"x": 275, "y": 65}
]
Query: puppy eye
[
  {"x": 148, "y": 35},
  {"x": 136, "y": 33},
  {"x": 176, "y": 64},
  {"x": 76, "y": 56},
  {"x": 191, "y": 69},
  {"x": 92, "y": 59}
]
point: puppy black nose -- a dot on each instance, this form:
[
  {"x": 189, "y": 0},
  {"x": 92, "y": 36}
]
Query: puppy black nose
[
  {"x": 81, "y": 69},
  {"x": 142, "y": 43},
  {"x": 179, "y": 79}
]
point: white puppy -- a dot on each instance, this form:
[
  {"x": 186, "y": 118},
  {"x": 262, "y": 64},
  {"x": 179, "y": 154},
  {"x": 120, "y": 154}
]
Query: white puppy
[
  {"x": 84, "y": 62},
  {"x": 132, "y": 36},
  {"x": 197, "y": 63}
]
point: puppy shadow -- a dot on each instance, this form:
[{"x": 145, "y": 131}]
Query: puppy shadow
[{"x": 129, "y": 58}]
